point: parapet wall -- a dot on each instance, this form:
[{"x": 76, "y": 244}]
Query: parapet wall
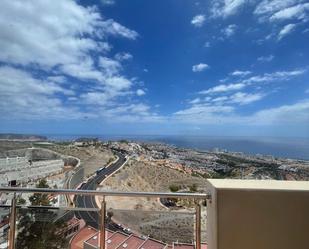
[{"x": 258, "y": 214}]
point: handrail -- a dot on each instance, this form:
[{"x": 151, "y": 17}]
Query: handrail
[
  {"x": 102, "y": 223},
  {"x": 105, "y": 193}
]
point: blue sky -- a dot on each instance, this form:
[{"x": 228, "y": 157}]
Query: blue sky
[{"x": 226, "y": 67}]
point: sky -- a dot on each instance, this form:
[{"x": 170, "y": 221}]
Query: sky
[{"x": 189, "y": 67}]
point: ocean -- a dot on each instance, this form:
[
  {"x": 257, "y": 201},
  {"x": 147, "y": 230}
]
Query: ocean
[{"x": 296, "y": 148}]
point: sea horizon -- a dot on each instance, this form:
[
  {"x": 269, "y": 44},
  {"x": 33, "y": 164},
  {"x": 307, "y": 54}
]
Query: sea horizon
[{"x": 286, "y": 147}]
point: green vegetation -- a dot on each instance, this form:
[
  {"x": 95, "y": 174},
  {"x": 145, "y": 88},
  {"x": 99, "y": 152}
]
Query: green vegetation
[
  {"x": 37, "y": 229},
  {"x": 197, "y": 174},
  {"x": 193, "y": 188},
  {"x": 174, "y": 188},
  {"x": 21, "y": 201}
]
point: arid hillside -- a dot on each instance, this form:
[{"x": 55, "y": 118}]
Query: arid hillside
[{"x": 147, "y": 176}]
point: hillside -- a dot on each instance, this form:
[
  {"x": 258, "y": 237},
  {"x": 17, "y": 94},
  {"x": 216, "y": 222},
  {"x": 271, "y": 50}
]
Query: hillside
[{"x": 146, "y": 176}]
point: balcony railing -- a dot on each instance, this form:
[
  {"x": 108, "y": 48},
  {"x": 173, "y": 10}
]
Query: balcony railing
[{"x": 102, "y": 211}]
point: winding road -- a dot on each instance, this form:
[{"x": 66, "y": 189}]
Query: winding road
[{"x": 92, "y": 218}]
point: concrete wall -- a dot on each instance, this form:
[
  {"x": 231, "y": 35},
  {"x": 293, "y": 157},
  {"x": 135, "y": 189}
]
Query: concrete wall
[
  {"x": 22, "y": 170},
  {"x": 258, "y": 215}
]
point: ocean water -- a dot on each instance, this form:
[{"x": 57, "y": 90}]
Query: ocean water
[{"x": 297, "y": 148}]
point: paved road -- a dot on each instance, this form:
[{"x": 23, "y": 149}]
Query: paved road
[{"x": 92, "y": 218}]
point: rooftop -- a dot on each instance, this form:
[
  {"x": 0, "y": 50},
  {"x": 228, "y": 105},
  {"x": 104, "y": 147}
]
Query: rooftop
[
  {"x": 85, "y": 233},
  {"x": 132, "y": 242}
]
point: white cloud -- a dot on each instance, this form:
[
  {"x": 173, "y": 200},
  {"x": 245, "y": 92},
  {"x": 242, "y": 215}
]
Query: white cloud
[
  {"x": 198, "y": 20},
  {"x": 109, "y": 66},
  {"x": 118, "y": 83},
  {"x": 26, "y": 97},
  {"x": 64, "y": 43},
  {"x": 286, "y": 114},
  {"x": 114, "y": 28},
  {"x": 268, "y": 7},
  {"x": 293, "y": 114},
  {"x": 64, "y": 32},
  {"x": 276, "y": 76},
  {"x": 245, "y": 98},
  {"x": 108, "y": 2},
  {"x": 266, "y": 58},
  {"x": 298, "y": 12},
  {"x": 18, "y": 81},
  {"x": 275, "y": 11},
  {"x": 224, "y": 88},
  {"x": 240, "y": 73},
  {"x": 140, "y": 92},
  {"x": 204, "y": 109},
  {"x": 305, "y": 31},
  {"x": 207, "y": 44},
  {"x": 229, "y": 30},
  {"x": 123, "y": 56},
  {"x": 287, "y": 29},
  {"x": 240, "y": 98},
  {"x": 199, "y": 67},
  {"x": 225, "y": 8},
  {"x": 96, "y": 98},
  {"x": 220, "y": 99},
  {"x": 195, "y": 101}
]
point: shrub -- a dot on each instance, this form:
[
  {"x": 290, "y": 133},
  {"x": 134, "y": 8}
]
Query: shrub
[
  {"x": 174, "y": 188},
  {"x": 193, "y": 188}
]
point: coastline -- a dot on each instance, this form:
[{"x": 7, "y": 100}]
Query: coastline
[{"x": 288, "y": 148}]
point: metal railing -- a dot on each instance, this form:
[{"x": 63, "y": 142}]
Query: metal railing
[{"x": 197, "y": 197}]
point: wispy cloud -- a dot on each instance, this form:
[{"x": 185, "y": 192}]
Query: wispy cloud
[
  {"x": 108, "y": 2},
  {"x": 294, "y": 12},
  {"x": 199, "y": 67},
  {"x": 225, "y": 8},
  {"x": 287, "y": 29},
  {"x": 277, "y": 10},
  {"x": 266, "y": 58},
  {"x": 293, "y": 114},
  {"x": 207, "y": 44},
  {"x": 198, "y": 20},
  {"x": 245, "y": 98},
  {"x": 275, "y": 76},
  {"x": 123, "y": 56},
  {"x": 240, "y": 73},
  {"x": 24, "y": 96},
  {"x": 224, "y": 88},
  {"x": 229, "y": 30},
  {"x": 296, "y": 113}
]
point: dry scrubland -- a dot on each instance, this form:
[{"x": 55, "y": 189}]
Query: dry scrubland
[
  {"x": 91, "y": 157},
  {"x": 142, "y": 176}
]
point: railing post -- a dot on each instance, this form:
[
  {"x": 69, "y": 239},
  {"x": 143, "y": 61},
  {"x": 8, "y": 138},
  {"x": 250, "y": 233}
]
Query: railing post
[
  {"x": 12, "y": 223},
  {"x": 197, "y": 225},
  {"x": 102, "y": 223}
]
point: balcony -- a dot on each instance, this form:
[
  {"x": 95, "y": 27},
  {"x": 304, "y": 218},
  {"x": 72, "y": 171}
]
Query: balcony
[
  {"x": 83, "y": 227},
  {"x": 241, "y": 214}
]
